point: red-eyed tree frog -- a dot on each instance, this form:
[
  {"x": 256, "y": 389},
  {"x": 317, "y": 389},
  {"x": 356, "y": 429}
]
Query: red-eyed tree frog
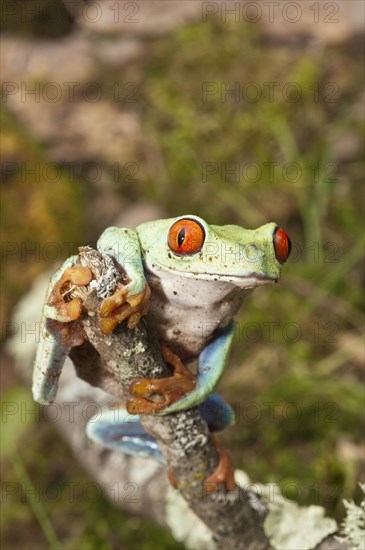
[{"x": 188, "y": 279}]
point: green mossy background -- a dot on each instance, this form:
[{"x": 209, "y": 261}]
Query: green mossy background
[{"x": 295, "y": 376}]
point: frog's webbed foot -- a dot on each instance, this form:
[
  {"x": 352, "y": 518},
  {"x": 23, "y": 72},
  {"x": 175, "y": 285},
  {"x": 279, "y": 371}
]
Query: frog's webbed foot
[
  {"x": 120, "y": 306},
  {"x": 224, "y": 472},
  {"x": 66, "y": 308},
  {"x": 152, "y": 395}
]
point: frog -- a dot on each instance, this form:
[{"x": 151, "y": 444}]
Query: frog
[{"x": 188, "y": 279}]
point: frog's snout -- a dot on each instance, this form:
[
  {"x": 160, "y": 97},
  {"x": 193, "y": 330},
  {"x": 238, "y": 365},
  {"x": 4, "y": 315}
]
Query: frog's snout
[{"x": 282, "y": 245}]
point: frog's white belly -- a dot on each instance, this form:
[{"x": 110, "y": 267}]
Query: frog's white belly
[{"x": 185, "y": 312}]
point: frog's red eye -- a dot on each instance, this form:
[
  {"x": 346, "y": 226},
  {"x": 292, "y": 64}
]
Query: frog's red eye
[
  {"x": 186, "y": 237},
  {"x": 282, "y": 245}
]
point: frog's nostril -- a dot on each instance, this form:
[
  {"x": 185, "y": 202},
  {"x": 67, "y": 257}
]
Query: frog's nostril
[{"x": 282, "y": 245}]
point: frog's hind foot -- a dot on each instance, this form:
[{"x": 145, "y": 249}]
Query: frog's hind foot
[
  {"x": 224, "y": 472},
  {"x": 222, "y": 475},
  {"x": 153, "y": 395},
  {"x": 119, "y": 306}
]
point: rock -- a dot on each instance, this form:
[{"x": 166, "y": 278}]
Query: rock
[
  {"x": 63, "y": 60},
  {"x": 118, "y": 53},
  {"x": 79, "y": 131}
]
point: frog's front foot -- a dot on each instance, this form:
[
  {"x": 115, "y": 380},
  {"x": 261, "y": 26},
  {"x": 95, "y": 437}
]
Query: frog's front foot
[
  {"x": 67, "y": 308},
  {"x": 153, "y": 395},
  {"x": 224, "y": 472},
  {"x": 120, "y": 306}
]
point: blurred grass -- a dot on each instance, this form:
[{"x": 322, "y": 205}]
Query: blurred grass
[{"x": 298, "y": 353}]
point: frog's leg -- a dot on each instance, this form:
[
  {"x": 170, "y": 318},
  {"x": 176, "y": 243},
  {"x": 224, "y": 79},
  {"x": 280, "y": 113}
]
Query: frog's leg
[
  {"x": 130, "y": 301},
  {"x": 217, "y": 413},
  {"x": 212, "y": 361},
  {"x": 182, "y": 390},
  {"x": 163, "y": 391},
  {"x": 59, "y": 329},
  {"x": 118, "y": 430}
]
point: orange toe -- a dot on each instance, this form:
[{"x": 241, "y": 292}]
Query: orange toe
[{"x": 224, "y": 472}]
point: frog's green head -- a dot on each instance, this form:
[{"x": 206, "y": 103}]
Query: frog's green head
[{"x": 187, "y": 245}]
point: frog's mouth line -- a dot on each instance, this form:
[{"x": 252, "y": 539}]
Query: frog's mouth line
[{"x": 245, "y": 281}]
